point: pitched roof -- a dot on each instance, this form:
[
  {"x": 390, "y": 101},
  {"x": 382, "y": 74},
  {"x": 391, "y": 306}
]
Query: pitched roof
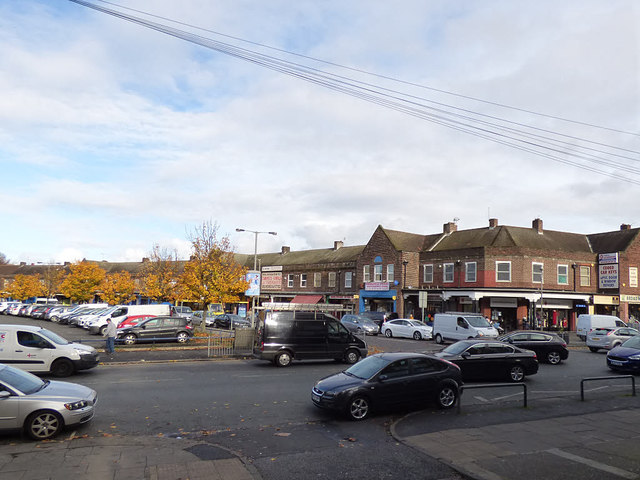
[
  {"x": 305, "y": 257},
  {"x": 610, "y": 242},
  {"x": 408, "y": 242}
]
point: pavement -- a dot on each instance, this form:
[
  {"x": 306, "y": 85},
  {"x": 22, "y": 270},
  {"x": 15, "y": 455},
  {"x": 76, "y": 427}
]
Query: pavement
[{"x": 568, "y": 439}]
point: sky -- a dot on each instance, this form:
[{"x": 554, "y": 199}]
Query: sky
[{"x": 115, "y": 137}]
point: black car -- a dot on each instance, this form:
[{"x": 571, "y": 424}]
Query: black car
[
  {"x": 486, "y": 359},
  {"x": 549, "y": 347},
  {"x": 389, "y": 380},
  {"x": 229, "y": 320},
  {"x": 169, "y": 329}
]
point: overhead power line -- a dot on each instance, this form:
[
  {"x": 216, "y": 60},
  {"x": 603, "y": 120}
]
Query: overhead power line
[{"x": 597, "y": 157}]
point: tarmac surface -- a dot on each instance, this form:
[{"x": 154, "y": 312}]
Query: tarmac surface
[{"x": 598, "y": 439}]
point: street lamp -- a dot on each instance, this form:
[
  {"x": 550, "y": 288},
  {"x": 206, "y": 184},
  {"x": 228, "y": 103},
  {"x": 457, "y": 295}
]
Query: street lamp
[{"x": 255, "y": 264}]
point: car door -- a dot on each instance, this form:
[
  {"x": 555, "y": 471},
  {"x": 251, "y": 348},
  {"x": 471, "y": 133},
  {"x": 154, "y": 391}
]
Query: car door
[
  {"x": 424, "y": 378},
  {"x": 9, "y": 408},
  {"x": 338, "y": 338},
  {"x": 403, "y": 327},
  {"x": 33, "y": 352},
  {"x": 149, "y": 329},
  {"x": 474, "y": 362},
  {"x": 498, "y": 359},
  {"x": 392, "y": 387}
]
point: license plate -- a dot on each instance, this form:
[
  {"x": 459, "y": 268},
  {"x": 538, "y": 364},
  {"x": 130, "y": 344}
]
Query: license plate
[
  {"x": 595, "y": 339},
  {"x": 615, "y": 362},
  {"x": 315, "y": 398}
]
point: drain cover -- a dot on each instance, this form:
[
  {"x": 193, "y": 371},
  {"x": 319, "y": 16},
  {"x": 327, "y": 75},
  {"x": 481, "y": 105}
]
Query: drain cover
[{"x": 209, "y": 452}]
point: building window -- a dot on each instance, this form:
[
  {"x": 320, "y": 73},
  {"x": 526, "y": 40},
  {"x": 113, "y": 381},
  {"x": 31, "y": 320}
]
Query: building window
[
  {"x": 390, "y": 270},
  {"x": 585, "y": 276},
  {"x": 448, "y": 273},
  {"x": 303, "y": 279},
  {"x": 427, "y": 273},
  {"x": 563, "y": 274},
  {"x": 317, "y": 279},
  {"x": 470, "y": 272},
  {"x": 332, "y": 279},
  {"x": 503, "y": 271},
  {"x": 366, "y": 273},
  {"x": 348, "y": 279},
  {"x": 290, "y": 280},
  {"x": 537, "y": 272},
  {"x": 377, "y": 273}
]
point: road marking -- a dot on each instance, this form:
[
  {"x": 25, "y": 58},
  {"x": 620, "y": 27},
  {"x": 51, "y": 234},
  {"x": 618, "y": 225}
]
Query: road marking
[
  {"x": 593, "y": 464},
  {"x": 482, "y": 399}
]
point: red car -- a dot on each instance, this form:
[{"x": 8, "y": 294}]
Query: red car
[{"x": 133, "y": 320}]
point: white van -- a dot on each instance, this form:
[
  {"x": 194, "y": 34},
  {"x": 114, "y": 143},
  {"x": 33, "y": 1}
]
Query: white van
[
  {"x": 39, "y": 350},
  {"x": 460, "y": 326},
  {"x": 587, "y": 322},
  {"x": 118, "y": 313}
]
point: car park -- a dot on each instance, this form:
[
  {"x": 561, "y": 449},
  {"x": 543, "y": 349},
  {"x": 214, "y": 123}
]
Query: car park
[
  {"x": 360, "y": 324},
  {"x": 388, "y": 381},
  {"x": 42, "y": 408},
  {"x": 483, "y": 360},
  {"x": 549, "y": 347},
  {"x": 408, "y": 328},
  {"x": 625, "y": 358},
  {"x": 608, "y": 338},
  {"x": 163, "y": 329}
]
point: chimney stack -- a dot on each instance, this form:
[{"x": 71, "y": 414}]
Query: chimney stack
[
  {"x": 338, "y": 244},
  {"x": 537, "y": 225},
  {"x": 493, "y": 222},
  {"x": 285, "y": 250},
  {"x": 449, "y": 228},
  {"x": 625, "y": 226}
]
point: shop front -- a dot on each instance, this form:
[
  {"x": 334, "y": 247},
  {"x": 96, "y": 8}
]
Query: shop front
[{"x": 377, "y": 297}]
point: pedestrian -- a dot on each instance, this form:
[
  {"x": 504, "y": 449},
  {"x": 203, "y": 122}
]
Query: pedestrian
[{"x": 110, "y": 333}]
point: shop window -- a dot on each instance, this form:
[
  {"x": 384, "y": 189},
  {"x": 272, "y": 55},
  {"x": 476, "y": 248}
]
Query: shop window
[
  {"x": 390, "y": 272},
  {"x": 537, "y": 272},
  {"x": 290, "y": 280},
  {"x": 585, "y": 276},
  {"x": 332, "y": 279},
  {"x": 563, "y": 274},
  {"x": 377, "y": 273},
  {"x": 470, "y": 272},
  {"x": 317, "y": 279},
  {"x": 348, "y": 279},
  {"x": 303, "y": 280},
  {"x": 427, "y": 273},
  {"x": 448, "y": 273},
  {"x": 366, "y": 273},
  {"x": 503, "y": 271}
]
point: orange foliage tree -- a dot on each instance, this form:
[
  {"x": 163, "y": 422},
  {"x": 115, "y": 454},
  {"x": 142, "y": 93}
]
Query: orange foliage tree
[
  {"x": 83, "y": 281},
  {"x": 118, "y": 288},
  {"x": 160, "y": 275},
  {"x": 25, "y": 286}
]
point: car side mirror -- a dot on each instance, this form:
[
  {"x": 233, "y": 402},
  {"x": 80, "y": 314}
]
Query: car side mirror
[
  {"x": 465, "y": 355},
  {"x": 510, "y": 340},
  {"x": 382, "y": 378},
  {"x": 4, "y": 394}
]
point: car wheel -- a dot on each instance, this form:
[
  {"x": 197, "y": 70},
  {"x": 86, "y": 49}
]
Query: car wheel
[
  {"x": 388, "y": 333},
  {"x": 55, "y": 319},
  {"x": 129, "y": 339},
  {"x": 182, "y": 337},
  {"x": 283, "y": 359},
  {"x": 62, "y": 367},
  {"x": 593, "y": 349},
  {"x": 103, "y": 329},
  {"x": 438, "y": 338},
  {"x": 553, "y": 357},
  {"x": 358, "y": 408},
  {"x": 417, "y": 336},
  {"x": 447, "y": 396},
  {"x": 43, "y": 425},
  {"x": 516, "y": 373},
  {"x": 351, "y": 357},
  {"x": 616, "y": 344}
]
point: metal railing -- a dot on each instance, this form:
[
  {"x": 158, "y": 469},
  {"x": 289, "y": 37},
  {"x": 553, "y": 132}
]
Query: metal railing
[
  {"x": 495, "y": 385},
  {"x": 613, "y": 377}
]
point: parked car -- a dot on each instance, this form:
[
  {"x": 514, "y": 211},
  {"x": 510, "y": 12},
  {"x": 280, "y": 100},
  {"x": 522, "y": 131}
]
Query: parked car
[
  {"x": 42, "y": 408},
  {"x": 359, "y": 324},
  {"x": 230, "y": 321},
  {"x": 389, "y": 381},
  {"x": 587, "y": 322},
  {"x": 6, "y": 306},
  {"x": 132, "y": 320},
  {"x": 405, "y": 327},
  {"x": 379, "y": 317},
  {"x": 461, "y": 325},
  {"x": 609, "y": 337},
  {"x": 182, "y": 311},
  {"x": 482, "y": 359},
  {"x": 626, "y": 357},
  {"x": 549, "y": 347},
  {"x": 167, "y": 329}
]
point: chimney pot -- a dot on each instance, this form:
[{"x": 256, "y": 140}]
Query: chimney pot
[
  {"x": 285, "y": 250},
  {"x": 625, "y": 226},
  {"x": 537, "y": 225},
  {"x": 338, "y": 244},
  {"x": 449, "y": 227},
  {"x": 493, "y": 222}
]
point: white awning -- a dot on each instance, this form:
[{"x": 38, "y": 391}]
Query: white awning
[{"x": 530, "y": 296}]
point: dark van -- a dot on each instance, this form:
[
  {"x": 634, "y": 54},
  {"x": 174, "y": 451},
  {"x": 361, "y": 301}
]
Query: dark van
[{"x": 292, "y": 335}]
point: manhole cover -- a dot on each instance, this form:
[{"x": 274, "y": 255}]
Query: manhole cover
[{"x": 209, "y": 452}]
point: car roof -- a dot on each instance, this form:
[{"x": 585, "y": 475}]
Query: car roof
[{"x": 392, "y": 356}]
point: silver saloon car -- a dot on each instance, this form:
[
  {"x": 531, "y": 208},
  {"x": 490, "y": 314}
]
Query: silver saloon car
[
  {"x": 608, "y": 338},
  {"x": 42, "y": 408}
]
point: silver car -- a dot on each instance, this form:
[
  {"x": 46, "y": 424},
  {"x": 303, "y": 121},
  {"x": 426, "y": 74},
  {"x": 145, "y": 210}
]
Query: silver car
[
  {"x": 359, "y": 324},
  {"x": 608, "y": 338},
  {"x": 42, "y": 408}
]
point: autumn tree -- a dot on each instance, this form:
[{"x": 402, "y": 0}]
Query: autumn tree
[
  {"x": 3, "y": 259},
  {"x": 160, "y": 275},
  {"x": 52, "y": 277},
  {"x": 25, "y": 286},
  {"x": 83, "y": 281},
  {"x": 212, "y": 275},
  {"x": 118, "y": 288}
]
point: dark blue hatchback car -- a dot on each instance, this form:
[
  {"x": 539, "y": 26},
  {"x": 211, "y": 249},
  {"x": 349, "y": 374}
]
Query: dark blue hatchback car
[{"x": 625, "y": 357}]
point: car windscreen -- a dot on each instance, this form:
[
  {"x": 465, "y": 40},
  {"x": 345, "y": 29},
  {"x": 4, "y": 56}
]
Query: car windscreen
[
  {"x": 633, "y": 342},
  {"x": 456, "y": 348},
  {"x": 478, "y": 321},
  {"x": 367, "y": 367},
  {"x": 23, "y": 381},
  {"x": 57, "y": 339}
]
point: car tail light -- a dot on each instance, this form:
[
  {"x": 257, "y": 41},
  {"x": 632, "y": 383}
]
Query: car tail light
[{"x": 188, "y": 327}]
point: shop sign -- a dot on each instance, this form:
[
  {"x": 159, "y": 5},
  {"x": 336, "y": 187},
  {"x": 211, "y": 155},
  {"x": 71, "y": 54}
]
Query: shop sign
[
  {"x": 608, "y": 276},
  {"x": 504, "y": 302},
  {"x": 272, "y": 268},
  {"x": 606, "y": 300},
  {"x": 633, "y": 277},
  {"x": 630, "y": 298},
  {"x": 608, "y": 258},
  {"x": 377, "y": 286},
  {"x": 272, "y": 280}
]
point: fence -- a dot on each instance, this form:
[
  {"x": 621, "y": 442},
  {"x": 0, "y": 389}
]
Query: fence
[{"x": 225, "y": 343}]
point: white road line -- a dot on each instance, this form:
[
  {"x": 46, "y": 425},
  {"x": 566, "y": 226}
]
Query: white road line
[
  {"x": 593, "y": 464},
  {"x": 482, "y": 399}
]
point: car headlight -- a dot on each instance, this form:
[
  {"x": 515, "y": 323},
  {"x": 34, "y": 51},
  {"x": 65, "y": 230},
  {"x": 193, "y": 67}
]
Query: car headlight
[
  {"x": 76, "y": 405},
  {"x": 635, "y": 357}
]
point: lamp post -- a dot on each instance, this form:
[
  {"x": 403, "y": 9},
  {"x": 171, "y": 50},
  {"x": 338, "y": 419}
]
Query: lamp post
[{"x": 255, "y": 264}]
